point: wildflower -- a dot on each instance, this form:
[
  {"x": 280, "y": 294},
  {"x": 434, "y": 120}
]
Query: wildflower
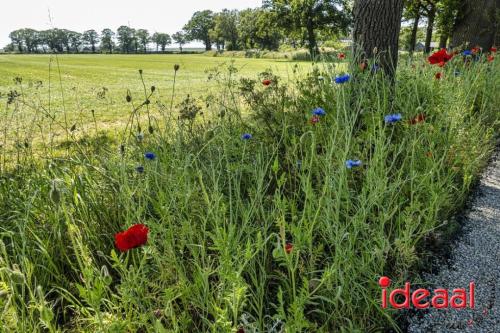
[
  {"x": 476, "y": 49},
  {"x": 341, "y": 56},
  {"x": 240, "y": 330},
  {"x": 418, "y": 119},
  {"x": 319, "y": 112},
  {"x": 429, "y": 154},
  {"x": 393, "y": 118},
  {"x": 246, "y": 136},
  {"x": 342, "y": 79},
  {"x": 135, "y": 236},
  {"x": 438, "y": 75},
  {"x": 314, "y": 120},
  {"x": 441, "y": 64},
  {"x": 266, "y": 82},
  {"x": 493, "y": 49},
  {"x": 362, "y": 66},
  {"x": 176, "y": 67},
  {"x": 352, "y": 163},
  {"x": 139, "y": 169},
  {"x": 467, "y": 53},
  {"x": 150, "y": 156},
  {"x": 491, "y": 58},
  {"x": 375, "y": 68},
  {"x": 439, "y": 56},
  {"x": 288, "y": 248}
]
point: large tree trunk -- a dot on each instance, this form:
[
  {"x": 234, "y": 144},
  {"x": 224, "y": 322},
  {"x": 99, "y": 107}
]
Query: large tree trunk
[
  {"x": 414, "y": 31},
  {"x": 430, "y": 26},
  {"x": 477, "y": 24},
  {"x": 376, "y": 32}
]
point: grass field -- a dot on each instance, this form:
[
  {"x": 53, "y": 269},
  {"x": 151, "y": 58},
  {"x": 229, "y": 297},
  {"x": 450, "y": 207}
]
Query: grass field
[
  {"x": 68, "y": 87},
  {"x": 260, "y": 208}
]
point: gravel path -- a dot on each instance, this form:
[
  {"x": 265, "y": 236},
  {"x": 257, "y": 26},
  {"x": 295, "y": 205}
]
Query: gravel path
[{"x": 475, "y": 257}]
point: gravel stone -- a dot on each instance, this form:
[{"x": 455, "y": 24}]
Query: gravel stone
[{"x": 475, "y": 257}]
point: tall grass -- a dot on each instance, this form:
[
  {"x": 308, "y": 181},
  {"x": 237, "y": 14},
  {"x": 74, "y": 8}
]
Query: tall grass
[{"x": 221, "y": 210}]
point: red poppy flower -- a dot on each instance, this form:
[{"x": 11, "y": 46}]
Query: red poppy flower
[
  {"x": 491, "y": 58},
  {"x": 240, "y": 330},
  {"x": 289, "y": 248},
  {"x": 441, "y": 64},
  {"x": 440, "y": 56},
  {"x": 438, "y": 75},
  {"x": 418, "y": 119},
  {"x": 493, "y": 49},
  {"x": 476, "y": 49},
  {"x": 266, "y": 82},
  {"x": 341, "y": 56},
  {"x": 314, "y": 120},
  {"x": 363, "y": 66},
  {"x": 135, "y": 236}
]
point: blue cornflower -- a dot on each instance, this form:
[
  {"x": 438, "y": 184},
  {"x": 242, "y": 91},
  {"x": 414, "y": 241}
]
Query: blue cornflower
[
  {"x": 139, "y": 169},
  {"x": 150, "y": 156},
  {"x": 352, "y": 163},
  {"x": 375, "y": 67},
  {"x": 342, "y": 79},
  {"x": 319, "y": 112},
  {"x": 467, "y": 53},
  {"x": 393, "y": 118},
  {"x": 246, "y": 136}
]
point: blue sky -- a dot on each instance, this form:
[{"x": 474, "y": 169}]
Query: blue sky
[{"x": 155, "y": 15}]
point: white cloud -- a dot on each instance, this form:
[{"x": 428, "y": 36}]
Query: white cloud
[{"x": 79, "y": 15}]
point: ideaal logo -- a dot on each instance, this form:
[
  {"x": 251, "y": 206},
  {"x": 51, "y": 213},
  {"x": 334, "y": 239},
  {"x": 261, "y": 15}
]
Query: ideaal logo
[{"x": 441, "y": 298}]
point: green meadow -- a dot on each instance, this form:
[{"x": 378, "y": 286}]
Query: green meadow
[{"x": 68, "y": 87}]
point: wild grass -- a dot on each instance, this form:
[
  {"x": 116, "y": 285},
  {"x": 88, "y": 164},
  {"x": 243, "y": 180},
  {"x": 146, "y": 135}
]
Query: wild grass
[{"x": 221, "y": 210}]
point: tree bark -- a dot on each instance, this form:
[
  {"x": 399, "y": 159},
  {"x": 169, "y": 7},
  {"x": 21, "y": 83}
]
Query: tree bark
[
  {"x": 477, "y": 24},
  {"x": 414, "y": 31},
  {"x": 430, "y": 26},
  {"x": 376, "y": 32}
]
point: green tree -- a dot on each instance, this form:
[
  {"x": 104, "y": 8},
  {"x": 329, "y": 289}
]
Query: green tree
[
  {"x": 17, "y": 39},
  {"x": 75, "y": 40},
  {"x": 125, "y": 36},
  {"x": 180, "y": 39},
  {"x": 91, "y": 38},
  {"x": 225, "y": 31},
  {"x": 247, "y": 28},
  {"x": 143, "y": 38},
  {"x": 446, "y": 17},
  {"x": 311, "y": 16},
  {"x": 107, "y": 42},
  {"x": 198, "y": 28},
  {"x": 161, "y": 40}
]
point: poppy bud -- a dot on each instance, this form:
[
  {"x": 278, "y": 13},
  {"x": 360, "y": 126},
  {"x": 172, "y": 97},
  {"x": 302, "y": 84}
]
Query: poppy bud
[
  {"x": 176, "y": 67},
  {"x": 153, "y": 88},
  {"x": 140, "y": 71}
]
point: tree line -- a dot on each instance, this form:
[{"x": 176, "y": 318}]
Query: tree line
[{"x": 297, "y": 23}]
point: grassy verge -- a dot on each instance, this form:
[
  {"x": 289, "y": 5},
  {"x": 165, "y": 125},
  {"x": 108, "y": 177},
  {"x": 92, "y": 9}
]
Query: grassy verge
[{"x": 267, "y": 233}]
